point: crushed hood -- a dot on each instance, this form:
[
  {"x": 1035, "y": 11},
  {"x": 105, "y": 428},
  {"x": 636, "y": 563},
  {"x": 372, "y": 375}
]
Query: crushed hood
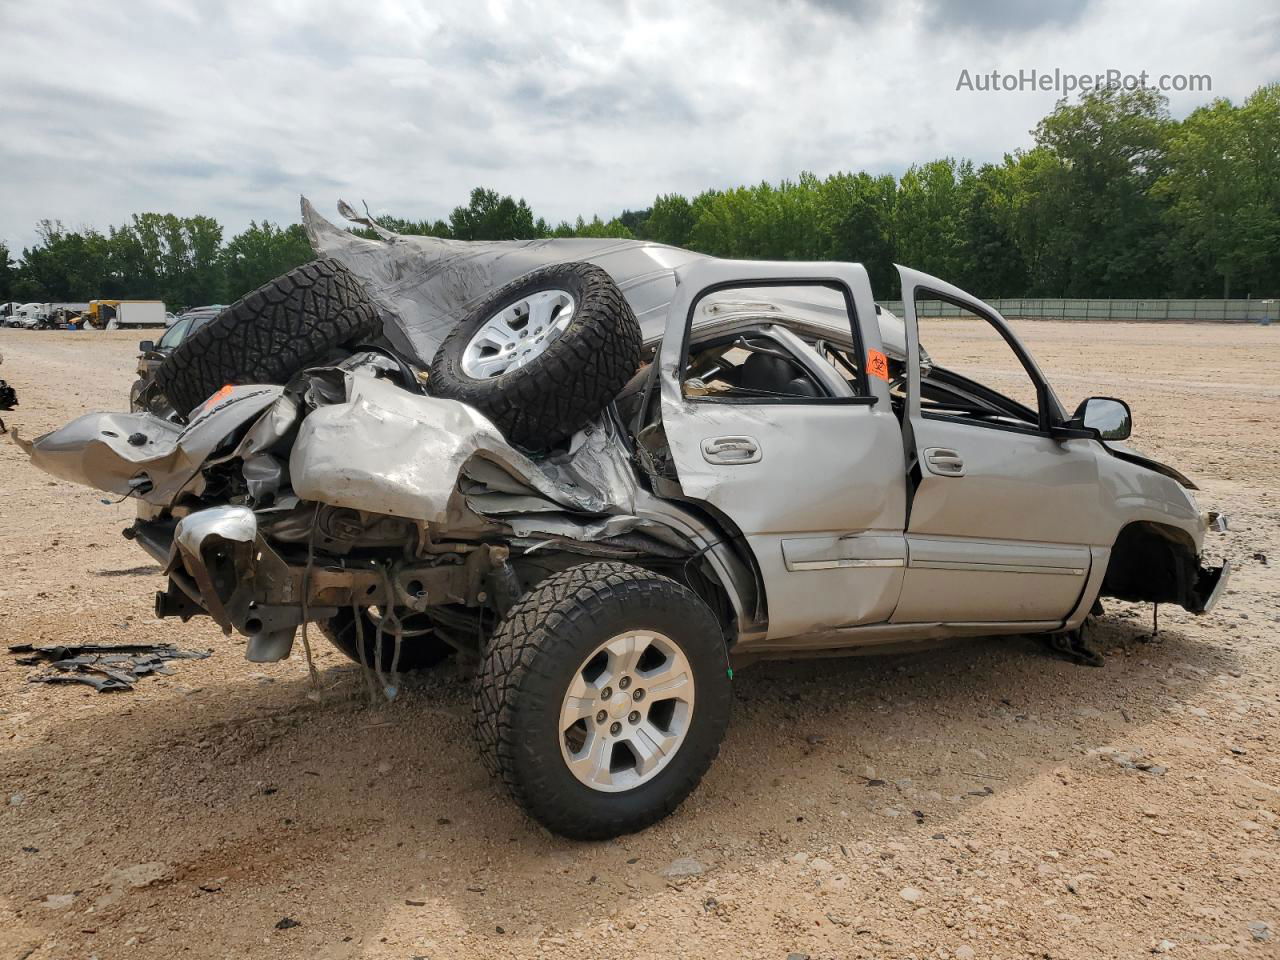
[{"x": 424, "y": 286}]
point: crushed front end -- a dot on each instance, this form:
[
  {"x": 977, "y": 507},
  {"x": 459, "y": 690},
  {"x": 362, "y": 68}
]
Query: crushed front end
[{"x": 349, "y": 490}]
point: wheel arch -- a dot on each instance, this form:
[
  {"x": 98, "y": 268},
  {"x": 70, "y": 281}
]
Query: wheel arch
[
  {"x": 723, "y": 571},
  {"x": 1152, "y": 562}
]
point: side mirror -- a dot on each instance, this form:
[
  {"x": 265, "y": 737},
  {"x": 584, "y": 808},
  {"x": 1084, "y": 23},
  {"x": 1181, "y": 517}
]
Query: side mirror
[
  {"x": 146, "y": 346},
  {"x": 1111, "y": 418}
]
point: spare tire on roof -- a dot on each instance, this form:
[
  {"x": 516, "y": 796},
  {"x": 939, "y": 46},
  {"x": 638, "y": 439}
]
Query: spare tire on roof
[
  {"x": 270, "y": 334},
  {"x": 543, "y": 355}
]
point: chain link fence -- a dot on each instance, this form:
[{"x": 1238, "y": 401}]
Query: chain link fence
[{"x": 1172, "y": 311}]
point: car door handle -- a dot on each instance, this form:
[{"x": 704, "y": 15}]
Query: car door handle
[
  {"x": 730, "y": 450},
  {"x": 944, "y": 462}
]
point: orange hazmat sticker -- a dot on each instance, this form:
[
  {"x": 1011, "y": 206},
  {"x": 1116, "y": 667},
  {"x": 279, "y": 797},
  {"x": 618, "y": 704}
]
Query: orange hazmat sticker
[{"x": 877, "y": 364}]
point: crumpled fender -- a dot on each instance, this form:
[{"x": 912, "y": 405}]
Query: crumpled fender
[
  {"x": 140, "y": 454},
  {"x": 393, "y": 452},
  {"x": 101, "y": 450},
  {"x": 1125, "y": 452}
]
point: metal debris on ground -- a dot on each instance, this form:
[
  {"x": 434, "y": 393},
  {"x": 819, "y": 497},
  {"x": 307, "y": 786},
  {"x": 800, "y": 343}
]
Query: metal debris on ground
[{"x": 103, "y": 666}]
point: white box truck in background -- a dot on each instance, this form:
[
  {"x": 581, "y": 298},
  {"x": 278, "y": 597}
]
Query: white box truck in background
[{"x": 132, "y": 313}]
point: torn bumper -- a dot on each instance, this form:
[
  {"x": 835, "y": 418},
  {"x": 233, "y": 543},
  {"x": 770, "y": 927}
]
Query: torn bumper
[
  {"x": 119, "y": 453},
  {"x": 1211, "y": 582},
  {"x": 219, "y": 564},
  {"x": 1210, "y": 585},
  {"x": 218, "y": 561}
]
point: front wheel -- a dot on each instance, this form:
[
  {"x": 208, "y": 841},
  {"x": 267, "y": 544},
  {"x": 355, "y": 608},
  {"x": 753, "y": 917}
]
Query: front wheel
[{"x": 603, "y": 698}]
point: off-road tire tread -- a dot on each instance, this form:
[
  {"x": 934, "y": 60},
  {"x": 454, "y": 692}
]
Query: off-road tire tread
[
  {"x": 547, "y": 401},
  {"x": 518, "y": 648},
  {"x": 270, "y": 334}
]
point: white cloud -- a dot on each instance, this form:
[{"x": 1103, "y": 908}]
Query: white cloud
[{"x": 173, "y": 105}]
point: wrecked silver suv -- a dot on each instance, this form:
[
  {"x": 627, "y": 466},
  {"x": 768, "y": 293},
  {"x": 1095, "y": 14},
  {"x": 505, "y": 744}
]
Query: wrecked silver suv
[{"x": 628, "y": 469}]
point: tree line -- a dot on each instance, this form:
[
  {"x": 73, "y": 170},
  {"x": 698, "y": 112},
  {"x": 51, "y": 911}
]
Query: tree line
[{"x": 1114, "y": 199}]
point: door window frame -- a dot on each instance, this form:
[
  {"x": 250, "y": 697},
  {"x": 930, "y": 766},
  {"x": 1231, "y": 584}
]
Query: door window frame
[
  {"x": 1044, "y": 423},
  {"x": 863, "y": 397}
]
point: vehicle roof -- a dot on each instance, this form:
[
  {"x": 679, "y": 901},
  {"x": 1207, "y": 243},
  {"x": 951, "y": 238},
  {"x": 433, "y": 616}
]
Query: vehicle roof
[{"x": 426, "y": 285}]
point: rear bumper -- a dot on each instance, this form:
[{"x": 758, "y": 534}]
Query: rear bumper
[
  {"x": 219, "y": 564},
  {"x": 217, "y": 560}
]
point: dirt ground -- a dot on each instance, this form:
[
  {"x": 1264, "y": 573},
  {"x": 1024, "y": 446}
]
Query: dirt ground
[{"x": 980, "y": 800}]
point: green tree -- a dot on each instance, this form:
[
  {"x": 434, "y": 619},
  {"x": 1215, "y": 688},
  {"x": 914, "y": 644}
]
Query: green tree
[
  {"x": 1037, "y": 234},
  {"x": 760, "y": 222},
  {"x": 195, "y": 275},
  {"x": 63, "y": 265},
  {"x": 1101, "y": 229},
  {"x": 856, "y": 220},
  {"x": 670, "y": 220},
  {"x": 263, "y": 251},
  {"x": 170, "y": 258},
  {"x": 634, "y": 221},
  {"x": 7, "y": 273},
  {"x": 927, "y": 216},
  {"x": 1222, "y": 186},
  {"x": 491, "y": 217},
  {"x": 596, "y": 227},
  {"x": 988, "y": 258}
]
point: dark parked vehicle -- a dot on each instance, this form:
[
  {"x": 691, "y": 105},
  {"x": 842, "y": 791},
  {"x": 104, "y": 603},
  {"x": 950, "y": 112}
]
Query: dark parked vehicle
[{"x": 153, "y": 353}]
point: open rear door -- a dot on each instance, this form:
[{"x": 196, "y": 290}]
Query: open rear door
[{"x": 797, "y": 447}]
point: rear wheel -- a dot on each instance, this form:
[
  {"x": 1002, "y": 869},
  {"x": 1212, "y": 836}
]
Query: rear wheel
[
  {"x": 603, "y": 698},
  {"x": 419, "y": 647}
]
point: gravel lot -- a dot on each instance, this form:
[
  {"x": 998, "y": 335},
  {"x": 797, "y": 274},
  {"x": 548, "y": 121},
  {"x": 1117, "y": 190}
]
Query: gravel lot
[{"x": 980, "y": 800}]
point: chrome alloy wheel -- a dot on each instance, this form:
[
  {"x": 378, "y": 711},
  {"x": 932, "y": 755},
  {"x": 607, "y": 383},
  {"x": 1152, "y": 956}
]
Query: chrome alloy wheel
[
  {"x": 517, "y": 333},
  {"x": 627, "y": 711}
]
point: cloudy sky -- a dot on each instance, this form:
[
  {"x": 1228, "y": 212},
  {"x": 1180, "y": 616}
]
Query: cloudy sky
[{"x": 233, "y": 109}]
